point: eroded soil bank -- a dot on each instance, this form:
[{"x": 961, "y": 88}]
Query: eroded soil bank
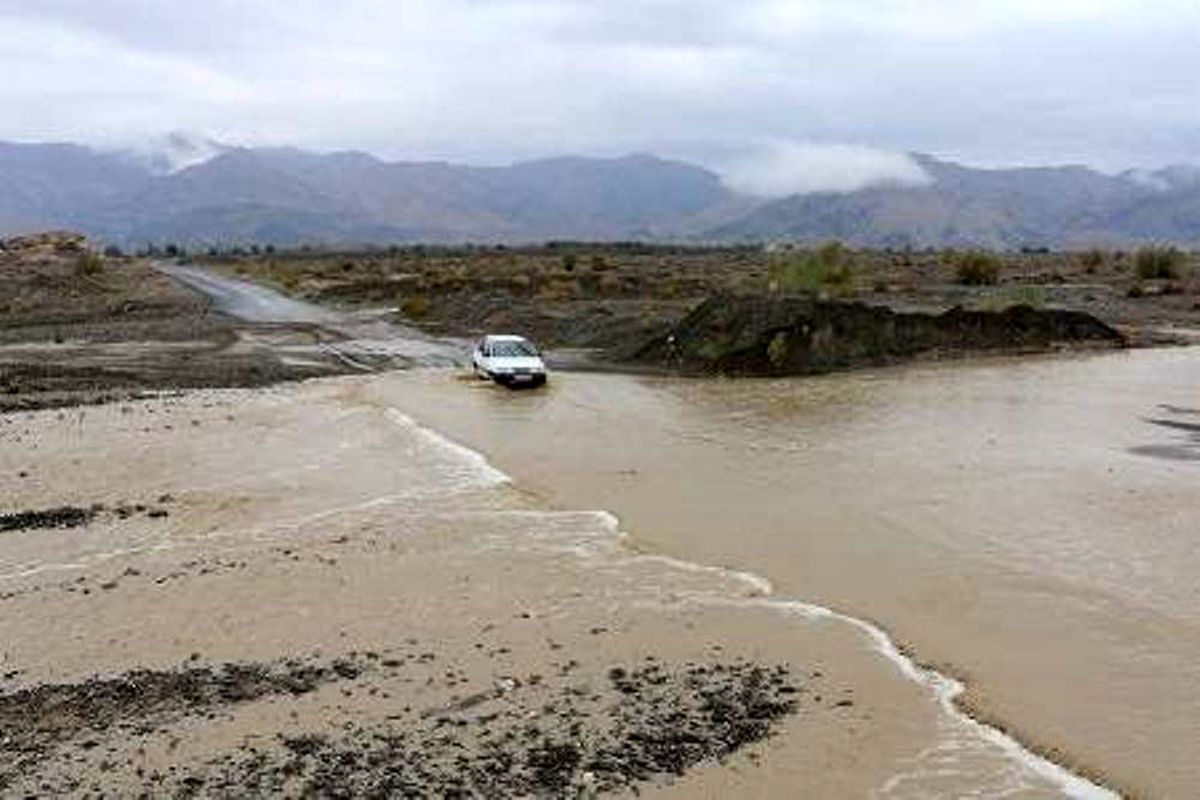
[{"x": 747, "y": 335}]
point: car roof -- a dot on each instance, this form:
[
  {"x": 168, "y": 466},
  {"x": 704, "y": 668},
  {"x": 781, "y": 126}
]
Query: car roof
[{"x": 505, "y": 337}]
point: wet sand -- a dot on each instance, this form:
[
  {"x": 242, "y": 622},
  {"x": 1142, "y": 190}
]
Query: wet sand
[
  {"x": 1026, "y": 526},
  {"x": 276, "y": 581}
]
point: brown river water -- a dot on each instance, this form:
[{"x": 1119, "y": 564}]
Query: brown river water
[{"x": 1030, "y": 527}]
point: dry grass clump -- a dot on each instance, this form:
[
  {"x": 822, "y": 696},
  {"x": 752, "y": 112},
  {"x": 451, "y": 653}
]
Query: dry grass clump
[{"x": 88, "y": 264}]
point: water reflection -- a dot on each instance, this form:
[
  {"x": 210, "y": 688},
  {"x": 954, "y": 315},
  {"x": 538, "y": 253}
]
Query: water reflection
[{"x": 1186, "y": 447}]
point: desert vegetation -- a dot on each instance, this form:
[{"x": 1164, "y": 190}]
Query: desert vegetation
[
  {"x": 1160, "y": 263},
  {"x": 828, "y": 270},
  {"x": 582, "y": 294},
  {"x": 975, "y": 267}
]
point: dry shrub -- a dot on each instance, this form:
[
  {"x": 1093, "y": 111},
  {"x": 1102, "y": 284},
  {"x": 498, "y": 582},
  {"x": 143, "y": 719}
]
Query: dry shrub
[
  {"x": 608, "y": 285},
  {"x": 1160, "y": 263},
  {"x": 559, "y": 289},
  {"x": 1092, "y": 260},
  {"x": 88, "y": 264},
  {"x": 415, "y": 306}
]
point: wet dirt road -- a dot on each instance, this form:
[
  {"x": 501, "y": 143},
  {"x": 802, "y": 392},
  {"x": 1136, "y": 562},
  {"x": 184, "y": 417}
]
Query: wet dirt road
[{"x": 363, "y": 340}]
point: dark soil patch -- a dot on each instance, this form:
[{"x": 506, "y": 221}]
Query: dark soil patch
[
  {"x": 63, "y": 517},
  {"x": 74, "y": 516},
  {"x": 653, "y": 722},
  {"x": 568, "y": 734},
  {"x": 36, "y": 721}
]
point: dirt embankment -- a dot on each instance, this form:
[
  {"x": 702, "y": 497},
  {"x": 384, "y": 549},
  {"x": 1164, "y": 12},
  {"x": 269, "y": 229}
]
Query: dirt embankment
[
  {"x": 57, "y": 289},
  {"x": 79, "y": 327},
  {"x": 757, "y": 335}
]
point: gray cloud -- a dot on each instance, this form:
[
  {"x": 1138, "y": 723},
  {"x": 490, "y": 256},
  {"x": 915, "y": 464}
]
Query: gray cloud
[{"x": 993, "y": 81}]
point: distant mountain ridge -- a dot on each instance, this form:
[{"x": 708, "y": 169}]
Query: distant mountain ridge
[
  {"x": 195, "y": 191},
  {"x": 1060, "y": 207}
]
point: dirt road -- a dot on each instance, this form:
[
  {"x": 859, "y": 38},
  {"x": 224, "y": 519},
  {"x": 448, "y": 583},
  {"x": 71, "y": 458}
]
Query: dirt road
[{"x": 362, "y": 339}]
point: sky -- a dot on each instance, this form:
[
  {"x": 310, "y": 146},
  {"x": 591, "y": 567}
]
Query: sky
[{"x": 777, "y": 95}]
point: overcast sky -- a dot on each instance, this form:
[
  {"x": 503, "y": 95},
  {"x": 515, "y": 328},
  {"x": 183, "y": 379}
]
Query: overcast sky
[{"x": 768, "y": 91}]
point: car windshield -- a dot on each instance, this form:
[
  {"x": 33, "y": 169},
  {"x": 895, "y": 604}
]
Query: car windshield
[{"x": 513, "y": 349}]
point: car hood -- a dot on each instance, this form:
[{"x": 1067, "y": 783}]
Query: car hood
[{"x": 517, "y": 362}]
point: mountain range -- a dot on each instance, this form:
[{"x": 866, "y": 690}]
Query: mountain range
[{"x": 197, "y": 192}]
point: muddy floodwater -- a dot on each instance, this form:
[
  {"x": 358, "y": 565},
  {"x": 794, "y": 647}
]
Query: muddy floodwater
[
  {"x": 1030, "y": 527},
  {"x": 417, "y": 581}
]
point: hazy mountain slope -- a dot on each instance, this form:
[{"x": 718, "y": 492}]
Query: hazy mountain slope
[
  {"x": 290, "y": 196},
  {"x": 636, "y": 195},
  {"x": 1049, "y": 206},
  {"x": 551, "y": 198},
  {"x": 58, "y": 185},
  {"x": 352, "y": 197}
]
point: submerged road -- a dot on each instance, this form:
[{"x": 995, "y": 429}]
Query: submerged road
[{"x": 362, "y": 339}]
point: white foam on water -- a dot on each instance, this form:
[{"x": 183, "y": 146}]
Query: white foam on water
[
  {"x": 755, "y": 585},
  {"x": 486, "y": 473},
  {"x": 944, "y": 688}
]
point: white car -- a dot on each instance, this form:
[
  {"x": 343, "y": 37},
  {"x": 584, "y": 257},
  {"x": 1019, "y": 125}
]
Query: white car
[{"x": 509, "y": 360}]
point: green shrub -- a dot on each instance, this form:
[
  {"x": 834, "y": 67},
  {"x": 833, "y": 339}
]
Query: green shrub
[
  {"x": 827, "y": 270},
  {"x": 777, "y": 349},
  {"x": 1165, "y": 263},
  {"x": 977, "y": 268}
]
